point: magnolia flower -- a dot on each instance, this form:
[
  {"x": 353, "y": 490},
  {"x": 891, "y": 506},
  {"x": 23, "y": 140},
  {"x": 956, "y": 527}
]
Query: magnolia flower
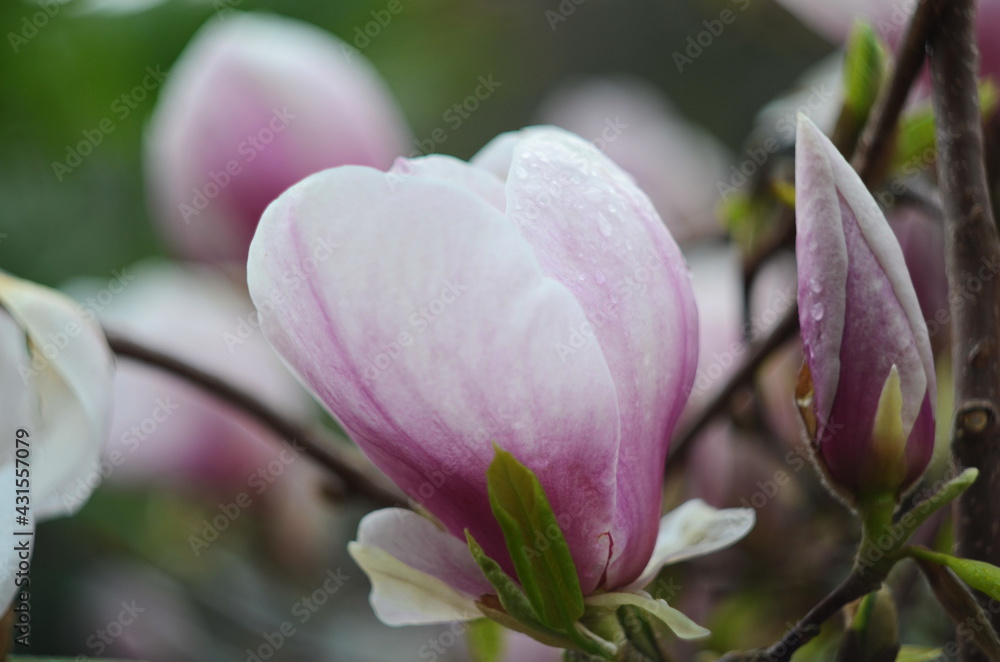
[
  {"x": 868, "y": 387},
  {"x": 531, "y": 298},
  {"x": 54, "y": 413},
  {"x": 254, "y": 104},
  {"x": 673, "y": 161}
]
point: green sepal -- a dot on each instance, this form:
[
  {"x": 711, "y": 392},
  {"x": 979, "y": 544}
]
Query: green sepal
[
  {"x": 979, "y": 575},
  {"x": 485, "y": 640},
  {"x": 511, "y": 597},
  {"x": 638, "y": 631},
  {"x": 864, "y": 69},
  {"x": 911, "y": 520},
  {"x": 535, "y": 542}
]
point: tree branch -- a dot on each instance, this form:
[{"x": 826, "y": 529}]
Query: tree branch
[
  {"x": 352, "y": 473},
  {"x": 971, "y": 246}
]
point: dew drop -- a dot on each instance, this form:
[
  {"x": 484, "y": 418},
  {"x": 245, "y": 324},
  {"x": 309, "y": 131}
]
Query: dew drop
[
  {"x": 815, "y": 286},
  {"x": 604, "y": 225},
  {"x": 582, "y": 276},
  {"x": 817, "y": 311}
]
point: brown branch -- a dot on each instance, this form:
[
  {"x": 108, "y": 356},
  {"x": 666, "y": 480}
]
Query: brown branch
[
  {"x": 856, "y": 585},
  {"x": 352, "y": 473},
  {"x": 971, "y": 244},
  {"x": 784, "y": 331},
  {"x": 877, "y": 136}
]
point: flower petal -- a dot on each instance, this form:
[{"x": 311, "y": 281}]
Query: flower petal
[
  {"x": 419, "y": 573},
  {"x": 449, "y": 343},
  {"x": 74, "y": 386},
  {"x": 595, "y": 232},
  {"x": 823, "y": 276},
  {"x": 694, "y": 529},
  {"x": 679, "y": 623}
]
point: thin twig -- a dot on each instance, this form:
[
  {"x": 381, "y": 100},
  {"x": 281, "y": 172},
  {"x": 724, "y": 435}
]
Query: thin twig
[
  {"x": 352, "y": 473},
  {"x": 971, "y": 244},
  {"x": 881, "y": 127},
  {"x": 856, "y": 585}
]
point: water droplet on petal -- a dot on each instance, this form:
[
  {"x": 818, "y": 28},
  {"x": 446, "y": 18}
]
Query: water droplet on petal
[
  {"x": 582, "y": 276},
  {"x": 815, "y": 286},
  {"x": 604, "y": 225},
  {"x": 817, "y": 311}
]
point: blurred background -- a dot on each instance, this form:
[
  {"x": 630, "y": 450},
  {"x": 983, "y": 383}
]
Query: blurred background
[{"x": 148, "y": 570}]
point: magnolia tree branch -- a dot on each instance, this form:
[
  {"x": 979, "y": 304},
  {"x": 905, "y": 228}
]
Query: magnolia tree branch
[
  {"x": 856, "y": 585},
  {"x": 971, "y": 246},
  {"x": 350, "y": 472}
]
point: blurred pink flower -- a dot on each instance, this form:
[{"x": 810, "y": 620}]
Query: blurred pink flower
[
  {"x": 168, "y": 431},
  {"x": 675, "y": 162},
  {"x": 254, "y": 104}
]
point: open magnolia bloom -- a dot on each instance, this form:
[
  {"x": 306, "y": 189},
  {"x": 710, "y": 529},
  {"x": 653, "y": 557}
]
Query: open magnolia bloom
[
  {"x": 867, "y": 390},
  {"x": 531, "y": 299},
  {"x": 56, "y": 372}
]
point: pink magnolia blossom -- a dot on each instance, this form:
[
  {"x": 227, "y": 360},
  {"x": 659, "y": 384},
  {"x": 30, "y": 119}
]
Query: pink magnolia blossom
[
  {"x": 872, "y": 389},
  {"x": 254, "y": 104},
  {"x": 531, "y": 298}
]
